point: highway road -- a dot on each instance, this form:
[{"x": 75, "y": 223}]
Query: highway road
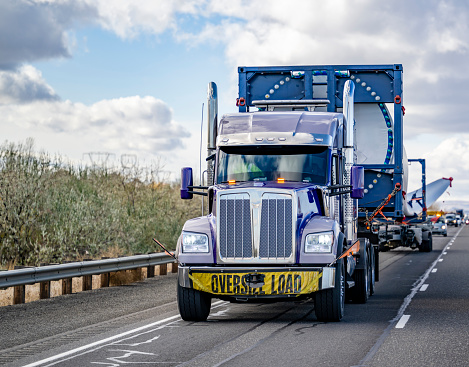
[{"x": 419, "y": 316}]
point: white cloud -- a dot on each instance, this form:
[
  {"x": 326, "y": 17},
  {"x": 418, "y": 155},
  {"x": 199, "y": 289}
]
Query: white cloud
[
  {"x": 24, "y": 85},
  {"x": 37, "y": 30},
  {"x": 449, "y": 159},
  {"x": 132, "y": 124},
  {"x": 128, "y": 19}
]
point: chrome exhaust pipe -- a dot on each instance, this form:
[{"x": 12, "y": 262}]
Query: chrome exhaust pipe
[
  {"x": 350, "y": 230},
  {"x": 212, "y": 124}
]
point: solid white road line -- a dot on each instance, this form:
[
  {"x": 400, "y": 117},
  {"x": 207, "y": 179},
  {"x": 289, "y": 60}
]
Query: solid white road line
[
  {"x": 402, "y": 321},
  {"x": 103, "y": 341}
]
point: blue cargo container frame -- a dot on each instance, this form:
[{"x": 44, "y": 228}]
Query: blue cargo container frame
[{"x": 256, "y": 82}]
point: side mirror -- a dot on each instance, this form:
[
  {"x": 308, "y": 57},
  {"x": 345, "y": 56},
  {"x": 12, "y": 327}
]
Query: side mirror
[
  {"x": 186, "y": 182},
  {"x": 357, "y": 180}
]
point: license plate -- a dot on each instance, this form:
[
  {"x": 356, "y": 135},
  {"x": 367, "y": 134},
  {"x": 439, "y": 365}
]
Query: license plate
[{"x": 276, "y": 283}]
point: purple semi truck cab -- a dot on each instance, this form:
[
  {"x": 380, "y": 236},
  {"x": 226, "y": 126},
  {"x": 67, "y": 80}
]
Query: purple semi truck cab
[{"x": 281, "y": 223}]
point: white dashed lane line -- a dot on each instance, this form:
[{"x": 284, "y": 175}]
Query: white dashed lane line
[
  {"x": 402, "y": 321},
  {"x": 424, "y": 288}
]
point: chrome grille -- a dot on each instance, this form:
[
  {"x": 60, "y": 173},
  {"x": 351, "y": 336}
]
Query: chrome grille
[
  {"x": 276, "y": 229},
  {"x": 256, "y": 226},
  {"x": 235, "y": 226}
]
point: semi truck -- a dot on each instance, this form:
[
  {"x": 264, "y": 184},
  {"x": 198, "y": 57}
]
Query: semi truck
[{"x": 295, "y": 183}]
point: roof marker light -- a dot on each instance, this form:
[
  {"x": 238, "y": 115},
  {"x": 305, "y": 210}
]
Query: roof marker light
[
  {"x": 231, "y": 182},
  {"x": 280, "y": 180}
]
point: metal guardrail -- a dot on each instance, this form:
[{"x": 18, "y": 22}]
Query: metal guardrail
[{"x": 19, "y": 277}]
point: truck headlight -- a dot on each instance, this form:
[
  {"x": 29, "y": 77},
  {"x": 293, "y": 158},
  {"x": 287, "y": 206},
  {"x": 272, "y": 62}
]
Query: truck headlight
[
  {"x": 319, "y": 242},
  {"x": 194, "y": 242}
]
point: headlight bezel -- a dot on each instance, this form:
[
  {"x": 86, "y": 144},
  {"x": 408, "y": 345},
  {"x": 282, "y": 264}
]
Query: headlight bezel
[
  {"x": 319, "y": 243},
  {"x": 195, "y": 243}
]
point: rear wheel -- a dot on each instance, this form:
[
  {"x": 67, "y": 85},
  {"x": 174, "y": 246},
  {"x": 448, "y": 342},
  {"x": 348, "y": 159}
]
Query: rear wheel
[
  {"x": 427, "y": 245},
  {"x": 372, "y": 270},
  {"x": 364, "y": 278},
  {"x": 193, "y": 305},
  {"x": 329, "y": 304}
]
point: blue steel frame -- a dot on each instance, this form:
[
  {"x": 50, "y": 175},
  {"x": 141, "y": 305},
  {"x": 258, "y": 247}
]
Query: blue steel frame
[
  {"x": 424, "y": 187},
  {"x": 387, "y": 79}
]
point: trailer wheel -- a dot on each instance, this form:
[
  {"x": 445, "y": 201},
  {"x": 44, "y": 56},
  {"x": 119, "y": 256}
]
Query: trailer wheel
[
  {"x": 329, "y": 304},
  {"x": 193, "y": 305},
  {"x": 427, "y": 245}
]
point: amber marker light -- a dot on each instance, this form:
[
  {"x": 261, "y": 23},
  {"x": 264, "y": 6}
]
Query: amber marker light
[
  {"x": 231, "y": 182},
  {"x": 280, "y": 180}
]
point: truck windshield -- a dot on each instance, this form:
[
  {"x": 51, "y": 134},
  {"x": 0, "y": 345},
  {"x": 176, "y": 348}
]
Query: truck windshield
[{"x": 269, "y": 163}]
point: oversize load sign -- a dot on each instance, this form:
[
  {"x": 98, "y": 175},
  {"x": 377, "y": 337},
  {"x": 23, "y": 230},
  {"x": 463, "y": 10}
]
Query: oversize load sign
[{"x": 275, "y": 283}]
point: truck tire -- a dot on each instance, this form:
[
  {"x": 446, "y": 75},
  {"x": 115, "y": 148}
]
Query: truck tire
[
  {"x": 193, "y": 305},
  {"x": 329, "y": 304},
  {"x": 427, "y": 245},
  {"x": 363, "y": 279},
  {"x": 372, "y": 269}
]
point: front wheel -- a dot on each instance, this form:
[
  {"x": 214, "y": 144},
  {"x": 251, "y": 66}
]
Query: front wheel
[
  {"x": 329, "y": 304},
  {"x": 193, "y": 305}
]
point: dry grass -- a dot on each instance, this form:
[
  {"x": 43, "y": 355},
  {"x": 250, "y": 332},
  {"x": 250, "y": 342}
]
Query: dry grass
[{"x": 51, "y": 211}]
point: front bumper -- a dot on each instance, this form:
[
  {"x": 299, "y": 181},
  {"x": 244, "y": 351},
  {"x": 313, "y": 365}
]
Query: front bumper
[{"x": 256, "y": 282}]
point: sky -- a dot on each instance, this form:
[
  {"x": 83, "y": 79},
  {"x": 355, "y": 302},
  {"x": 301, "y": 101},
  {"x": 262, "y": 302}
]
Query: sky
[{"x": 126, "y": 80}]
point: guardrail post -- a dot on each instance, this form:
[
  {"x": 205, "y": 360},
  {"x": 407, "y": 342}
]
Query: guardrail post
[
  {"x": 67, "y": 286},
  {"x": 44, "y": 287},
  {"x": 150, "y": 271},
  {"x": 105, "y": 277},
  {"x": 87, "y": 283},
  {"x": 163, "y": 269},
  {"x": 44, "y": 290},
  {"x": 87, "y": 280},
  {"x": 19, "y": 294},
  {"x": 174, "y": 267}
]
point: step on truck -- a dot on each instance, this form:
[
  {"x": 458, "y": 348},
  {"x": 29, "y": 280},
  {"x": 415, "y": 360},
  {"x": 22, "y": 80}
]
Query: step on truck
[{"x": 283, "y": 189}]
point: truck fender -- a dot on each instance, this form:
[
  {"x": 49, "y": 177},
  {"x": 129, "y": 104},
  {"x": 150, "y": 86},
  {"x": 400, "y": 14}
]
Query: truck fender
[{"x": 340, "y": 244}]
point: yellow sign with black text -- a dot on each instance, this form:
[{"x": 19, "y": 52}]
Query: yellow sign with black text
[{"x": 272, "y": 283}]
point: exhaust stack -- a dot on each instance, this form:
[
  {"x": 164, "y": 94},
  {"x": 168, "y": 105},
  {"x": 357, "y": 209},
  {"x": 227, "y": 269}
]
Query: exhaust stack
[
  {"x": 212, "y": 123},
  {"x": 350, "y": 229}
]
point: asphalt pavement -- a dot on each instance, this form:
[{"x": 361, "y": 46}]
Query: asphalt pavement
[{"x": 417, "y": 317}]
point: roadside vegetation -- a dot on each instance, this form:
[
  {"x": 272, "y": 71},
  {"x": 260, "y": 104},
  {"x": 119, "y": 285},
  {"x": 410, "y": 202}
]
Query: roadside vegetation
[{"x": 51, "y": 211}]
